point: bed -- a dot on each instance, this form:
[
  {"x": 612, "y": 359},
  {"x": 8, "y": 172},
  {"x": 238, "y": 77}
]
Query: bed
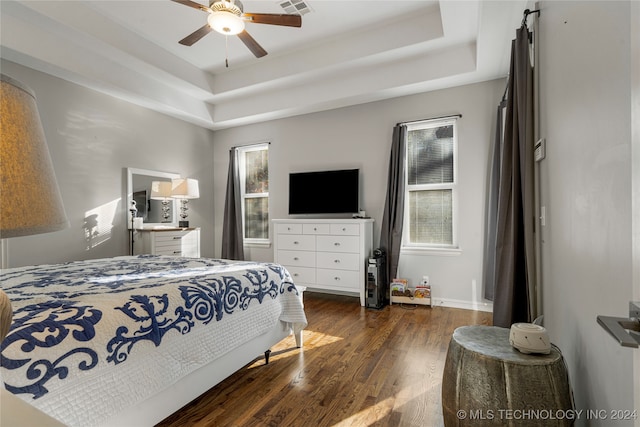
[{"x": 130, "y": 340}]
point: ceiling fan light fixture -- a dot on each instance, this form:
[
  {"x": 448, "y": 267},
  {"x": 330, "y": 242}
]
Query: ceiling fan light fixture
[{"x": 225, "y": 22}]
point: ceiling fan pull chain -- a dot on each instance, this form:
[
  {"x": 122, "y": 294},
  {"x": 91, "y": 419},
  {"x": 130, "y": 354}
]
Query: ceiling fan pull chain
[{"x": 226, "y": 51}]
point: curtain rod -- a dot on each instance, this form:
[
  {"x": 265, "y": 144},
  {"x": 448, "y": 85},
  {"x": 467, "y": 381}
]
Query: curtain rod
[
  {"x": 528, "y": 12},
  {"x": 249, "y": 145},
  {"x": 432, "y": 118}
]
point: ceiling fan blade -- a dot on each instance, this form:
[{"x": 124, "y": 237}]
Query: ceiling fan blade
[
  {"x": 252, "y": 44},
  {"x": 193, "y": 5},
  {"x": 274, "y": 19},
  {"x": 196, "y": 35}
]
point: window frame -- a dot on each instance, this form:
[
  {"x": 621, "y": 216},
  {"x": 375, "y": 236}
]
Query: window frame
[
  {"x": 408, "y": 246},
  {"x": 242, "y": 170}
]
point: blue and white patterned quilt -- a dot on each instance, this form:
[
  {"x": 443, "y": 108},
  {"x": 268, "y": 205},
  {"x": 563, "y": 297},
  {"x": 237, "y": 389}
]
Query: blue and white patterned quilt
[{"x": 88, "y": 331}]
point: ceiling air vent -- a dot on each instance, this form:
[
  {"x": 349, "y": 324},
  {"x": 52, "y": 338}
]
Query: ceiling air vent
[{"x": 298, "y": 7}]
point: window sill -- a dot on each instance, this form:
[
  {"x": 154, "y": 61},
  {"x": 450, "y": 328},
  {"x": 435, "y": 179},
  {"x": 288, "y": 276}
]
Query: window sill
[
  {"x": 257, "y": 244},
  {"x": 415, "y": 250}
]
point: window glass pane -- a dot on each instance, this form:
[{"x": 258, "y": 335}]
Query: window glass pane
[
  {"x": 430, "y": 155},
  {"x": 430, "y": 217},
  {"x": 256, "y": 218},
  {"x": 257, "y": 171}
]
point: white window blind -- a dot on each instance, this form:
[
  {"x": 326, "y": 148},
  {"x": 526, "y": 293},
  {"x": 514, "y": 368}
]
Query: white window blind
[
  {"x": 431, "y": 184},
  {"x": 254, "y": 176}
]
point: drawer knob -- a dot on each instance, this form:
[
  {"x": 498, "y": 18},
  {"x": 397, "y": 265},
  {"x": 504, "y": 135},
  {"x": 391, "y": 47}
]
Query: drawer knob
[
  {"x": 177, "y": 252},
  {"x": 296, "y": 242},
  {"x": 336, "y": 244},
  {"x": 344, "y": 229},
  {"x": 337, "y": 261},
  {"x": 296, "y": 258},
  {"x": 295, "y": 274},
  {"x": 315, "y": 228},
  {"x": 177, "y": 237},
  {"x": 336, "y": 278}
]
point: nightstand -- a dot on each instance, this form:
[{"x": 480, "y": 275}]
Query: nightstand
[{"x": 183, "y": 242}]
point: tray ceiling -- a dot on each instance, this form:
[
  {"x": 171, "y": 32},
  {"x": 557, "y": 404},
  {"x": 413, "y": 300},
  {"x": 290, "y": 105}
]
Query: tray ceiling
[{"x": 346, "y": 53}]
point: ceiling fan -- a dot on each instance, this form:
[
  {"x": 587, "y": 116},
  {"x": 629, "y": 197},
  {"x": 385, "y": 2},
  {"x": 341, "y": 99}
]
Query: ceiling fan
[{"x": 227, "y": 17}]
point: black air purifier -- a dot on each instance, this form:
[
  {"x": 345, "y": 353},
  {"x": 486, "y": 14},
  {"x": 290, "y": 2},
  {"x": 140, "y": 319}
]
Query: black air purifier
[{"x": 376, "y": 280}]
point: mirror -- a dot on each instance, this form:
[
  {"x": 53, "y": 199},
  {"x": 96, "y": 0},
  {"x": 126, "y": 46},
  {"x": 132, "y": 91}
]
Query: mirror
[{"x": 151, "y": 211}]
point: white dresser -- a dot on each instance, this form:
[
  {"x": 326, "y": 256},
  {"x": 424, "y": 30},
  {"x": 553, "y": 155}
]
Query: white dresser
[
  {"x": 325, "y": 254},
  {"x": 168, "y": 241}
]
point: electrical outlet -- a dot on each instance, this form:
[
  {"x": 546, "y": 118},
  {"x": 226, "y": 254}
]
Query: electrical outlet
[{"x": 425, "y": 281}]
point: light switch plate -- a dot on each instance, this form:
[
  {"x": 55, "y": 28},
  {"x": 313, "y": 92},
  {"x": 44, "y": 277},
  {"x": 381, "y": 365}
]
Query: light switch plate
[{"x": 539, "y": 149}]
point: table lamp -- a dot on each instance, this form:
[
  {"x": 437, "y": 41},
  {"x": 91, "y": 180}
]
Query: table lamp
[
  {"x": 30, "y": 201},
  {"x": 184, "y": 189},
  {"x": 161, "y": 190}
]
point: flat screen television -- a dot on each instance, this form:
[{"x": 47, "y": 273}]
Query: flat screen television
[{"x": 324, "y": 192}]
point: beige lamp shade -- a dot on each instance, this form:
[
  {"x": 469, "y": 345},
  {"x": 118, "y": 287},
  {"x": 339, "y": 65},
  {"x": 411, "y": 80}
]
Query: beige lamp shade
[
  {"x": 161, "y": 190},
  {"x": 185, "y": 188},
  {"x": 30, "y": 201}
]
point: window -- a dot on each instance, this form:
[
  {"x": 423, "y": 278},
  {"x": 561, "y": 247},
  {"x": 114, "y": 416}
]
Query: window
[
  {"x": 430, "y": 199},
  {"x": 254, "y": 184}
]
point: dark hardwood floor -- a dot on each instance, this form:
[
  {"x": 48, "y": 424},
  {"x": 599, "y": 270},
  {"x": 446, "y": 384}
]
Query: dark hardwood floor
[{"x": 358, "y": 367}]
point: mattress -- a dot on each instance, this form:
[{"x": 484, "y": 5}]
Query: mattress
[{"x": 91, "y": 338}]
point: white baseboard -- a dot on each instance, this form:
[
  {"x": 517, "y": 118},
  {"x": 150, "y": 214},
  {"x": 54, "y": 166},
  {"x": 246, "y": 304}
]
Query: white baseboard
[
  {"x": 467, "y": 305},
  {"x": 436, "y": 302}
]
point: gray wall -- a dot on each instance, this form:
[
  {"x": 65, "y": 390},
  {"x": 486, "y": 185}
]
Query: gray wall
[
  {"x": 360, "y": 137},
  {"x": 92, "y": 138},
  {"x": 585, "y": 92}
]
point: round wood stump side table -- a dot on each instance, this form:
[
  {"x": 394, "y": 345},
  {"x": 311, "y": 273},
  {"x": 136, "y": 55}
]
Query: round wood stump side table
[{"x": 487, "y": 382}]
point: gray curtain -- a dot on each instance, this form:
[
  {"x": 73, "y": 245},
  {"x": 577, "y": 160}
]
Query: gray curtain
[
  {"x": 489, "y": 272},
  {"x": 232, "y": 244},
  {"x": 392, "y": 220},
  {"x": 514, "y": 253}
]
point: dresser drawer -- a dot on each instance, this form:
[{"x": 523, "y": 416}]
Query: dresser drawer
[
  {"x": 345, "y": 229},
  {"x": 172, "y": 251},
  {"x": 173, "y": 237},
  {"x": 288, "y": 228},
  {"x": 178, "y": 242},
  {"x": 316, "y": 228},
  {"x": 348, "y": 280},
  {"x": 338, "y": 244},
  {"x": 296, "y": 242},
  {"x": 168, "y": 244},
  {"x": 338, "y": 260},
  {"x": 297, "y": 258},
  {"x": 189, "y": 249},
  {"x": 302, "y": 275}
]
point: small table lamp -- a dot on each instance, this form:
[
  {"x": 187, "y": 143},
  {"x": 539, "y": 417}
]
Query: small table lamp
[
  {"x": 161, "y": 190},
  {"x": 185, "y": 189},
  {"x": 30, "y": 201}
]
